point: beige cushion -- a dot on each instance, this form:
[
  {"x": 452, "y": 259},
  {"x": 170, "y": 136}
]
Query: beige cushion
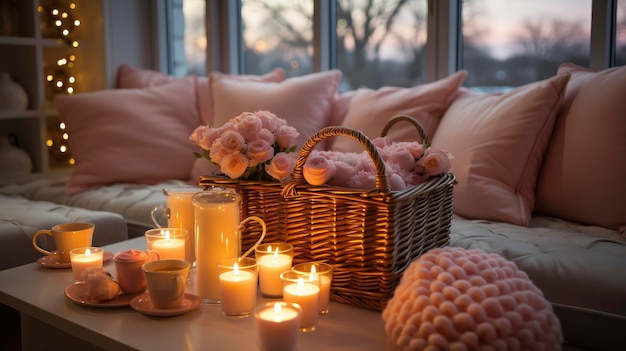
[
  {"x": 583, "y": 178},
  {"x": 498, "y": 142},
  {"x": 130, "y": 135},
  {"x": 369, "y": 110}
]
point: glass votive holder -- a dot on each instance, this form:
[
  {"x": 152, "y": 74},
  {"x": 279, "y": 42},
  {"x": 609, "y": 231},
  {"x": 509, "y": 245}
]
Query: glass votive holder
[
  {"x": 304, "y": 290},
  {"x": 83, "y": 258},
  {"x": 277, "y": 325},
  {"x": 273, "y": 259},
  {"x": 325, "y": 273},
  {"x": 170, "y": 243},
  {"x": 237, "y": 284}
]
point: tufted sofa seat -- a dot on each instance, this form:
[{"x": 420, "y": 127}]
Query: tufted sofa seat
[
  {"x": 20, "y": 218},
  {"x": 580, "y": 270}
]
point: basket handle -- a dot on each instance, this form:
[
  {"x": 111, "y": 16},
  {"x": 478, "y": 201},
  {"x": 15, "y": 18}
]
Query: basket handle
[
  {"x": 413, "y": 121},
  {"x": 382, "y": 182}
]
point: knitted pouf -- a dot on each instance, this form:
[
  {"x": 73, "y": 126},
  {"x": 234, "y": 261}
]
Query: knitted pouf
[{"x": 458, "y": 299}]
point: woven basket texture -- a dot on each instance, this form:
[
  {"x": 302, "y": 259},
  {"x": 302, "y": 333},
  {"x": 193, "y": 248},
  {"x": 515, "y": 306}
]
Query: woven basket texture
[{"x": 369, "y": 237}]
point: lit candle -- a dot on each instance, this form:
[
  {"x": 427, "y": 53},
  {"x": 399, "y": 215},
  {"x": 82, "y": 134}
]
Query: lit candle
[
  {"x": 170, "y": 248},
  {"x": 307, "y": 295},
  {"x": 238, "y": 290},
  {"x": 83, "y": 258},
  {"x": 277, "y": 325},
  {"x": 324, "y": 289},
  {"x": 270, "y": 268}
]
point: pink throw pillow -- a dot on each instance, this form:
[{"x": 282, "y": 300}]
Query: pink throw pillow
[
  {"x": 371, "y": 109},
  {"x": 498, "y": 142},
  {"x": 304, "y": 102},
  {"x": 584, "y": 172},
  {"x": 130, "y": 135},
  {"x": 129, "y": 77}
]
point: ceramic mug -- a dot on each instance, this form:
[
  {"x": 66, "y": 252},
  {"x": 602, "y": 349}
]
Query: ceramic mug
[
  {"x": 67, "y": 236},
  {"x": 167, "y": 280},
  {"x": 128, "y": 269}
]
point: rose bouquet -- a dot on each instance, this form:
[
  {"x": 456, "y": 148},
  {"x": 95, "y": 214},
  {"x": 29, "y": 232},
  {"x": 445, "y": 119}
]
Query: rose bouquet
[
  {"x": 407, "y": 164},
  {"x": 252, "y": 146}
]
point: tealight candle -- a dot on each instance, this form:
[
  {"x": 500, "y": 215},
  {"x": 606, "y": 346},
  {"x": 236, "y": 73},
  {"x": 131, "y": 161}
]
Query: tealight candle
[
  {"x": 238, "y": 284},
  {"x": 325, "y": 273},
  {"x": 277, "y": 326},
  {"x": 170, "y": 243},
  {"x": 301, "y": 289},
  {"x": 85, "y": 257},
  {"x": 273, "y": 259}
]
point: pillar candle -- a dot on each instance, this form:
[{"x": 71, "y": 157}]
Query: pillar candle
[
  {"x": 170, "y": 248},
  {"x": 238, "y": 291},
  {"x": 277, "y": 326},
  {"x": 306, "y": 295},
  {"x": 217, "y": 237},
  {"x": 270, "y": 268},
  {"x": 81, "y": 259}
]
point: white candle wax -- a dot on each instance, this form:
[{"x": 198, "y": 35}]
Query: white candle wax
[
  {"x": 306, "y": 295},
  {"x": 278, "y": 328},
  {"x": 217, "y": 237},
  {"x": 181, "y": 216},
  {"x": 270, "y": 268},
  {"x": 80, "y": 262},
  {"x": 170, "y": 248},
  {"x": 238, "y": 292},
  {"x": 324, "y": 292}
]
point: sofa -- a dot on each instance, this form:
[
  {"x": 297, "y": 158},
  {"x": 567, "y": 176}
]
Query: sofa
[{"x": 540, "y": 169}]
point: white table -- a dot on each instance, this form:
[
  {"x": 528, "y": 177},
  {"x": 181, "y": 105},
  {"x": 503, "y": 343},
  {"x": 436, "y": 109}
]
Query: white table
[{"x": 48, "y": 317}]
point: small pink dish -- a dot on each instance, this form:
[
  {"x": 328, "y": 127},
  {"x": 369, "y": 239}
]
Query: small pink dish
[
  {"x": 77, "y": 292},
  {"x": 143, "y": 305},
  {"x": 53, "y": 261}
]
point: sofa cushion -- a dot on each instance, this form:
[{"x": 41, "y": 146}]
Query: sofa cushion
[
  {"x": 583, "y": 175},
  {"x": 20, "y": 218},
  {"x": 370, "y": 109},
  {"x": 130, "y": 135},
  {"x": 579, "y": 269},
  {"x": 129, "y": 77},
  {"x": 497, "y": 143}
]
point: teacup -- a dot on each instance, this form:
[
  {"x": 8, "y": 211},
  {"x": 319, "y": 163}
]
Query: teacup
[
  {"x": 167, "y": 280},
  {"x": 67, "y": 236},
  {"x": 128, "y": 269}
]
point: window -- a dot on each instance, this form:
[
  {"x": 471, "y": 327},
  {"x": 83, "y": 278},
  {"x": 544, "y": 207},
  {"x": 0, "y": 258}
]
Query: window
[
  {"x": 398, "y": 42},
  {"x": 510, "y": 43}
]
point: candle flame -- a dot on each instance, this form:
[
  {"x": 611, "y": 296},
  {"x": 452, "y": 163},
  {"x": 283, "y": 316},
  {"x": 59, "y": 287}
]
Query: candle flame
[
  {"x": 276, "y": 254},
  {"x": 300, "y": 283},
  {"x": 313, "y": 271},
  {"x": 87, "y": 252},
  {"x": 277, "y": 308},
  {"x": 167, "y": 235},
  {"x": 236, "y": 269},
  {"x": 313, "y": 275},
  {"x": 269, "y": 248}
]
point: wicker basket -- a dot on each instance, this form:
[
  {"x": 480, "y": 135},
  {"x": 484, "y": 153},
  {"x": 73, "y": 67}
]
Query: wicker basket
[{"x": 369, "y": 237}]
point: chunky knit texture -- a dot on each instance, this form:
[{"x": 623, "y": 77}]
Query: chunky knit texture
[{"x": 458, "y": 299}]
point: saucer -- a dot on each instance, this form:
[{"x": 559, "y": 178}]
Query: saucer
[
  {"x": 143, "y": 304},
  {"x": 77, "y": 292},
  {"x": 50, "y": 261}
]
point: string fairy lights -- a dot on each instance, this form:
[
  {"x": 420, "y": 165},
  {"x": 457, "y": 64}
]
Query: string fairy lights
[{"x": 59, "y": 22}]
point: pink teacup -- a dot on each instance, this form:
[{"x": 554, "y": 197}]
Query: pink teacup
[{"x": 128, "y": 269}]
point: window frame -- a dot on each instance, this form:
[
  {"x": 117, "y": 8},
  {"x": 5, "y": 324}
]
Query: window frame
[{"x": 443, "y": 47}]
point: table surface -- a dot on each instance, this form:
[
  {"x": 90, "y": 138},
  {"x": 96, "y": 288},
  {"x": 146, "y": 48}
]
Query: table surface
[{"x": 39, "y": 293}]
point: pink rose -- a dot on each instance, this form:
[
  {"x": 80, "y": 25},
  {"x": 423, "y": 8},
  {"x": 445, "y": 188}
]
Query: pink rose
[
  {"x": 234, "y": 165},
  {"x": 381, "y": 142},
  {"x": 281, "y": 166},
  {"x": 363, "y": 180},
  {"x": 343, "y": 172},
  {"x": 266, "y": 135},
  {"x": 196, "y": 135},
  {"x": 232, "y": 142},
  {"x": 403, "y": 158},
  {"x": 269, "y": 120},
  {"x": 286, "y": 137},
  {"x": 209, "y": 135},
  {"x": 259, "y": 151},
  {"x": 217, "y": 152},
  {"x": 318, "y": 170},
  {"x": 434, "y": 162},
  {"x": 249, "y": 126}
]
